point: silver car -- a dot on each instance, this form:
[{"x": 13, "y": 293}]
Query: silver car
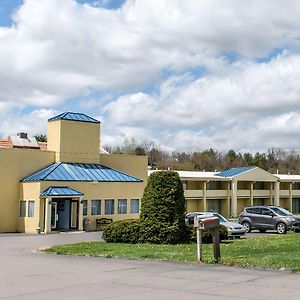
[
  {"x": 234, "y": 229},
  {"x": 268, "y": 217}
]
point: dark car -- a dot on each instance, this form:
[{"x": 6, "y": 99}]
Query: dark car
[{"x": 268, "y": 217}]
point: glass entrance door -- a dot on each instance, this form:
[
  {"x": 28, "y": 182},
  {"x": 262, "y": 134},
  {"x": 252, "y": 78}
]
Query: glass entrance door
[{"x": 54, "y": 215}]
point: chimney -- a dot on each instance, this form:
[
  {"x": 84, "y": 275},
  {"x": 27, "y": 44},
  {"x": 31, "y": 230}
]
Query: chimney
[{"x": 22, "y": 135}]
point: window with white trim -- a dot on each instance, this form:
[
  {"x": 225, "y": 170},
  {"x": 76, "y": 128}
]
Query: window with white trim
[
  {"x": 109, "y": 206},
  {"x": 22, "y": 211},
  {"x": 95, "y": 207},
  {"x": 30, "y": 211},
  {"x": 84, "y": 207},
  {"x": 134, "y": 206},
  {"x": 122, "y": 206}
]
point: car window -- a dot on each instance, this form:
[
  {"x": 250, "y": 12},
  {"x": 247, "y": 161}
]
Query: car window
[
  {"x": 266, "y": 212},
  {"x": 221, "y": 218},
  {"x": 281, "y": 211},
  {"x": 254, "y": 210}
]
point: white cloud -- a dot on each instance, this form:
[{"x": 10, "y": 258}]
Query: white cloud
[
  {"x": 61, "y": 49},
  {"x": 58, "y": 50},
  {"x": 260, "y": 102},
  {"x": 32, "y": 123}
]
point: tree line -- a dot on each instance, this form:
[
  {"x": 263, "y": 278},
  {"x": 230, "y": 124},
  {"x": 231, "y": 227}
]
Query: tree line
[{"x": 274, "y": 160}]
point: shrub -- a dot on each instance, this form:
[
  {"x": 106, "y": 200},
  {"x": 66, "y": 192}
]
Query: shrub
[
  {"x": 125, "y": 231},
  {"x": 206, "y": 235},
  {"x": 163, "y": 210}
]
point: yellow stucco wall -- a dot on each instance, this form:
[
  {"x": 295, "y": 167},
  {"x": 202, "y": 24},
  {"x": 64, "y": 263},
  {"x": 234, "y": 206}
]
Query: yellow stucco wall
[
  {"x": 102, "y": 191},
  {"x": 74, "y": 141},
  {"x": 14, "y": 165},
  {"x": 135, "y": 165},
  {"x": 30, "y": 192}
]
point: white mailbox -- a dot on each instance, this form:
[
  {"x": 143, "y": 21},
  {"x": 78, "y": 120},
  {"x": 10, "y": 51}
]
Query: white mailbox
[
  {"x": 203, "y": 222},
  {"x": 211, "y": 223}
]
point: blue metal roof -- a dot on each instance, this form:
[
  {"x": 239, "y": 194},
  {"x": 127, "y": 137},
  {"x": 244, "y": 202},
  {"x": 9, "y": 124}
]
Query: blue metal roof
[
  {"x": 71, "y": 116},
  {"x": 60, "y": 191},
  {"x": 234, "y": 171},
  {"x": 80, "y": 172}
]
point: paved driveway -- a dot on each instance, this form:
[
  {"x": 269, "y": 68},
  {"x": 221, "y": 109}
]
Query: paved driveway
[{"x": 25, "y": 274}]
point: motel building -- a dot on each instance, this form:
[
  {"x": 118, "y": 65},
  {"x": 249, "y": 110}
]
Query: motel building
[
  {"x": 54, "y": 186},
  {"x": 228, "y": 192}
]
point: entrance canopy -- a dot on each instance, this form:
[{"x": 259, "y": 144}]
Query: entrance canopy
[{"x": 55, "y": 191}]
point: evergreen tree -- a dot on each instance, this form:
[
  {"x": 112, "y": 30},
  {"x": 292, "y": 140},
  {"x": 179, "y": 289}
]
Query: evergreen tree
[{"x": 163, "y": 209}]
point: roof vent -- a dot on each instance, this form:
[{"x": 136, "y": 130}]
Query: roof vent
[{"x": 22, "y": 135}]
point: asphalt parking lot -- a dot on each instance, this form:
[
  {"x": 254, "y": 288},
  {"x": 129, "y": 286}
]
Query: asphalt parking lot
[{"x": 27, "y": 274}]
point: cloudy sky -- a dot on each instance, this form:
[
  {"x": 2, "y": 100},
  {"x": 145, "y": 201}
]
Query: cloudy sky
[{"x": 189, "y": 74}]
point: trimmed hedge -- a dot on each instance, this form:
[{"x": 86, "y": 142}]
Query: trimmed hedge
[
  {"x": 129, "y": 231},
  {"x": 125, "y": 231}
]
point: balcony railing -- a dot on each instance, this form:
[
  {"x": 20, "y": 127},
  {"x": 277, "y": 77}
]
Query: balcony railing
[
  {"x": 193, "y": 193},
  {"x": 261, "y": 193},
  {"x": 216, "y": 193},
  {"x": 243, "y": 193}
]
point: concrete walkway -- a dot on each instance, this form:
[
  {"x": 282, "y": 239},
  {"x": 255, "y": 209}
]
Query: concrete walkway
[{"x": 25, "y": 274}]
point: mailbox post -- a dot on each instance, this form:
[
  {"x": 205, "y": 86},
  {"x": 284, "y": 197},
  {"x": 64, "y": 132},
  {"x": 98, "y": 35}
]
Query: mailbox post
[{"x": 207, "y": 223}]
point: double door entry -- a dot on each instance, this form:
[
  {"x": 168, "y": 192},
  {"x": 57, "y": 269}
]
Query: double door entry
[{"x": 64, "y": 214}]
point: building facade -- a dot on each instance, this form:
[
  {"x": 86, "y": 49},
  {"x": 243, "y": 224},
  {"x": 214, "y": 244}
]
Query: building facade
[
  {"x": 228, "y": 192},
  {"x": 54, "y": 186}
]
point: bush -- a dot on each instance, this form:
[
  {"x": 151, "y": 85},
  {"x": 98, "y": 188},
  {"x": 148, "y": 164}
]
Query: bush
[
  {"x": 125, "y": 231},
  {"x": 206, "y": 235},
  {"x": 163, "y": 210}
]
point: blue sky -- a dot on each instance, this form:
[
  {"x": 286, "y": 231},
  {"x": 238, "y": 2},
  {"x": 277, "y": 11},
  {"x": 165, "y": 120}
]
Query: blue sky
[
  {"x": 7, "y": 8},
  {"x": 188, "y": 75}
]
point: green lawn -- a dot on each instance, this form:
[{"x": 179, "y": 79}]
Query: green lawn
[{"x": 278, "y": 251}]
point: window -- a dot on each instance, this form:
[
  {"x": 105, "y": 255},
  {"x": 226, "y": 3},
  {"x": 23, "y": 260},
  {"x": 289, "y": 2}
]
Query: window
[
  {"x": 134, "y": 206},
  {"x": 214, "y": 205},
  {"x": 30, "y": 209},
  {"x": 214, "y": 185},
  {"x": 22, "y": 208},
  {"x": 296, "y": 186},
  {"x": 84, "y": 207},
  {"x": 96, "y": 207},
  {"x": 254, "y": 210},
  {"x": 122, "y": 206},
  {"x": 296, "y": 205},
  {"x": 266, "y": 212},
  {"x": 109, "y": 206},
  {"x": 260, "y": 185}
]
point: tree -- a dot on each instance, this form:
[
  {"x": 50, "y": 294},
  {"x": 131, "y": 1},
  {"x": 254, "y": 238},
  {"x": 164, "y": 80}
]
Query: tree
[
  {"x": 41, "y": 137},
  {"x": 163, "y": 210},
  {"x": 248, "y": 158}
]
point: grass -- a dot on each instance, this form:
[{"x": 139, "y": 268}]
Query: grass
[{"x": 278, "y": 251}]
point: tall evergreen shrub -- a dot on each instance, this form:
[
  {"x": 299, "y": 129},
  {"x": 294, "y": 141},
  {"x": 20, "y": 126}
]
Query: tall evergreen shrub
[{"x": 163, "y": 210}]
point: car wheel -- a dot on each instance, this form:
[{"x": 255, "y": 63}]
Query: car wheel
[
  {"x": 281, "y": 228},
  {"x": 247, "y": 226},
  {"x": 262, "y": 230}
]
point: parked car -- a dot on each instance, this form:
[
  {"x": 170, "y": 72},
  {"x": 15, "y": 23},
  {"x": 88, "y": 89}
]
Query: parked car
[
  {"x": 234, "y": 229},
  {"x": 268, "y": 217}
]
